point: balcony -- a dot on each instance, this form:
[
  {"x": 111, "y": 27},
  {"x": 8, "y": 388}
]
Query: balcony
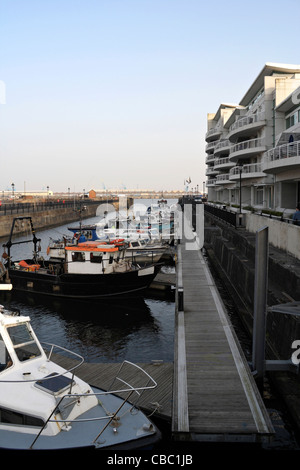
[
  {"x": 210, "y": 158},
  {"x": 213, "y": 134},
  {"x": 247, "y": 149},
  {"x": 281, "y": 158},
  {"x": 222, "y": 163},
  {"x": 210, "y": 183},
  {"x": 211, "y": 171},
  {"x": 253, "y": 170},
  {"x": 223, "y": 179},
  {"x": 246, "y": 126},
  {"x": 223, "y": 147},
  {"x": 210, "y": 148}
]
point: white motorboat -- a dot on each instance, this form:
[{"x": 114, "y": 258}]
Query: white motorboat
[{"x": 45, "y": 407}]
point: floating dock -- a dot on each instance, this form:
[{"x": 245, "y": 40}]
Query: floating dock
[{"x": 215, "y": 398}]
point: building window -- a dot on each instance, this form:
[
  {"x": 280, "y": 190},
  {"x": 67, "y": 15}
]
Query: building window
[{"x": 292, "y": 119}]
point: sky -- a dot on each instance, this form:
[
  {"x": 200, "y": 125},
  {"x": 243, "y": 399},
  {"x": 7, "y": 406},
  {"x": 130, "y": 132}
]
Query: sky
[{"x": 102, "y": 94}]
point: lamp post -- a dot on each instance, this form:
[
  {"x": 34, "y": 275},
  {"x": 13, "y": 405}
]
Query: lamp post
[
  {"x": 240, "y": 167},
  {"x": 13, "y": 194}
]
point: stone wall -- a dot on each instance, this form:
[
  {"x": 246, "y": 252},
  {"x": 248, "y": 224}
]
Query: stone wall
[{"x": 46, "y": 219}]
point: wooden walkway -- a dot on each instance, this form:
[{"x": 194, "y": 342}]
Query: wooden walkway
[{"x": 214, "y": 394}]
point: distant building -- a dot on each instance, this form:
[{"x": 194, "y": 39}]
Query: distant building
[{"x": 255, "y": 144}]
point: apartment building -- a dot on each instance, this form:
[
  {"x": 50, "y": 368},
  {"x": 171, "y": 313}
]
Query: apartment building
[{"x": 253, "y": 148}]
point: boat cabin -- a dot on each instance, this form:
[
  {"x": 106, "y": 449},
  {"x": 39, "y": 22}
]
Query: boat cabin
[{"x": 95, "y": 257}]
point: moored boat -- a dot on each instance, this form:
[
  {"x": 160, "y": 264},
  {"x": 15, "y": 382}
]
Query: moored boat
[
  {"x": 46, "y": 407},
  {"x": 89, "y": 270}
]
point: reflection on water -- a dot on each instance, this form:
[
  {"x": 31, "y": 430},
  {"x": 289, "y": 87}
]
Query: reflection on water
[{"x": 140, "y": 330}]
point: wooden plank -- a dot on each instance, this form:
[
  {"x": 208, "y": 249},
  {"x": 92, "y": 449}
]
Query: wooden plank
[{"x": 101, "y": 375}]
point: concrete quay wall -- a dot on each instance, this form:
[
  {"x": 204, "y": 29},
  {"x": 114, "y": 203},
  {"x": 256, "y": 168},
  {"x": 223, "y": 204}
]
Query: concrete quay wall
[{"x": 45, "y": 219}]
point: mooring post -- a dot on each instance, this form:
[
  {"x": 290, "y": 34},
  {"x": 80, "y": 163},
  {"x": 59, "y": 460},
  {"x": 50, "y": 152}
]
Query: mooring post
[{"x": 260, "y": 303}]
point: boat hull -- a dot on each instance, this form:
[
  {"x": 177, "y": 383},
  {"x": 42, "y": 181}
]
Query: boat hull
[
  {"x": 83, "y": 286},
  {"x": 82, "y": 435}
]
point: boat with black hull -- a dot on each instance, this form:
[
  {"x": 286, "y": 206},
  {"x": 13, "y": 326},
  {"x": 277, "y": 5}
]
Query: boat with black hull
[
  {"x": 89, "y": 270},
  {"x": 45, "y": 407}
]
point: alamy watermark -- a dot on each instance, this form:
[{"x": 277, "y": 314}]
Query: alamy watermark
[
  {"x": 164, "y": 223},
  {"x": 296, "y": 354},
  {"x": 296, "y": 96}
]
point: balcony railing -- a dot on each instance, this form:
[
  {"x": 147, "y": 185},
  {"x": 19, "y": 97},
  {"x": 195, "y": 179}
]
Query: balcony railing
[
  {"x": 225, "y": 161},
  {"x": 214, "y": 130},
  {"x": 289, "y": 150},
  {"x": 224, "y": 178},
  {"x": 211, "y": 145},
  {"x": 245, "y": 121},
  {"x": 247, "y": 145},
  {"x": 247, "y": 170},
  {"x": 223, "y": 143}
]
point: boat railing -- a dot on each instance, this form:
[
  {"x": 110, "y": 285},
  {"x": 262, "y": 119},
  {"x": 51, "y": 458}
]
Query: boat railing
[
  {"x": 128, "y": 390},
  {"x": 49, "y": 353}
]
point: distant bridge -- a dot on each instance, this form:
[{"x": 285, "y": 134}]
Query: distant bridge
[{"x": 136, "y": 193}]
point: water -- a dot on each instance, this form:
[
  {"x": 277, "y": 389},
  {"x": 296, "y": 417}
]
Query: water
[{"x": 139, "y": 330}]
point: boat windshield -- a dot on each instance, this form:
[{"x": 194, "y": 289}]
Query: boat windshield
[
  {"x": 23, "y": 342},
  {"x": 5, "y": 360}
]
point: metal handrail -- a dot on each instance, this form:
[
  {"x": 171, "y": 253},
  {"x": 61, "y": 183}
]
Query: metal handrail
[
  {"x": 71, "y": 369},
  {"x": 288, "y": 150},
  {"x": 130, "y": 389},
  {"x": 246, "y": 120}
]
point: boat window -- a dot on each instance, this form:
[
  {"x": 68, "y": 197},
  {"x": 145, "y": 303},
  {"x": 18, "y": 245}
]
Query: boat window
[
  {"x": 78, "y": 256},
  {"x": 23, "y": 342},
  {"x": 12, "y": 417},
  {"x": 96, "y": 257},
  {"x": 5, "y": 359},
  {"x": 111, "y": 258},
  {"x": 135, "y": 244}
]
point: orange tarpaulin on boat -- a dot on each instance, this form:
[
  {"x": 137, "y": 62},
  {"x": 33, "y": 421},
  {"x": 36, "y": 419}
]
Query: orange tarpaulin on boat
[{"x": 30, "y": 267}]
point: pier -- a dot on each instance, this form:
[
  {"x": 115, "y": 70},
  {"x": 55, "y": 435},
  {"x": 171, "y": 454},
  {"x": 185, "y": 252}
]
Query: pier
[{"x": 215, "y": 398}]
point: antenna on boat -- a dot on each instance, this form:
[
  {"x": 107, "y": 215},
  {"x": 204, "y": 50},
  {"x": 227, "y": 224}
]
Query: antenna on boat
[{"x": 34, "y": 240}]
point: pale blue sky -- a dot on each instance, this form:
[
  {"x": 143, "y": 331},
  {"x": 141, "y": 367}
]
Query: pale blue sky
[{"x": 115, "y": 93}]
